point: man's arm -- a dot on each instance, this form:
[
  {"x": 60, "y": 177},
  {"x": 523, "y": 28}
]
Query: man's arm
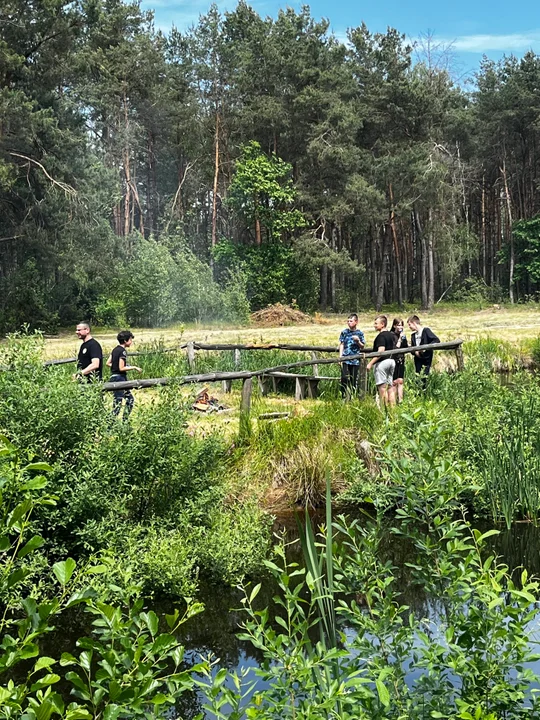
[
  {"x": 124, "y": 367},
  {"x": 372, "y": 362},
  {"x": 94, "y": 365},
  {"x": 341, "y": 348},
  {"x": 431, "y": 337}
]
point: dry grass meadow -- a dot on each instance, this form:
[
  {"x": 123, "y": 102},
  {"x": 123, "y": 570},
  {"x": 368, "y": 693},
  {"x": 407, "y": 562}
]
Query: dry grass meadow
[{"x": 515, "y": 324}]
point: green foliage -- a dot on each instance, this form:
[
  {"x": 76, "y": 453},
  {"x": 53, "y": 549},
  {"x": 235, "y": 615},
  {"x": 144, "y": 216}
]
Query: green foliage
[
  {"x": 527, "y": 238},
  {"x": 268, "y": 271},
  {"x": 510, "y": 462},
  {"x": 475, "y": 292},
  {"x": 42, "y": 409},
  {"x": 535, "y": 350},
  {"x": 158, "y": 286},
  {"x": 236, "y": 542},
  {"x": 262, "y": 193},
  {"x": 469, "y": 657}
]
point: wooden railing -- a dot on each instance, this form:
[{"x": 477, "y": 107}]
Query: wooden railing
[{"x": 247, "y": 375}]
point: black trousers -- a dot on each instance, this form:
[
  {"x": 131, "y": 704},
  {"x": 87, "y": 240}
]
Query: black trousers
[
  {"x": 422, "y": 367},
  {"x": 119, "y": 396},
  {"x": 349, "y": 379}
]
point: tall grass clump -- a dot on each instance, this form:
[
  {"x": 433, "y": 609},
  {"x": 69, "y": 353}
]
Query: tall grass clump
[
  {"x": 293, "y": 456},
  {"x": 510, "y": 462},
  {"x": 494, "y": 354},
  {"x": 535, "y": 350}
]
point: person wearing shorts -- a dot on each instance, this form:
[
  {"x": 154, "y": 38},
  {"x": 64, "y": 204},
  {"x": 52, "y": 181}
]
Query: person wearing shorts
[
  {"x": 383, "y": 368},
  {"x": 399, "y": 370}
]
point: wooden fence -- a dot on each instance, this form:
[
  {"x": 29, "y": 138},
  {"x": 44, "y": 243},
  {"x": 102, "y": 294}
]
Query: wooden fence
[{"x": 280, "y": 371}]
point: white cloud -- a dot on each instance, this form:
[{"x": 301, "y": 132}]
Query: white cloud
[
  {"x": 513, "y": 42},
  {"x": 181, "y": 13}
]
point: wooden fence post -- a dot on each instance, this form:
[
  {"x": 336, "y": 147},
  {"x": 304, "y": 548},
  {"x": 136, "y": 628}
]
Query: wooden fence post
[
  {"x": 245, "y": 403},
  {"x": 299, "y": 393},
  {"x": 191, "y": 356},
  {"x": 362, "y": 377},
  {"x": 226, "y": 386},
  {"x": 314, "y": 356},
  {"x": 236, "y": 358},
  {"x": 460, "y": 359},
  {"x": 244, "y": 426}
]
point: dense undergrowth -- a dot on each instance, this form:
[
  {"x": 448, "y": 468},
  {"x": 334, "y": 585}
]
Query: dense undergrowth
[{"x": 102, "y": 514}]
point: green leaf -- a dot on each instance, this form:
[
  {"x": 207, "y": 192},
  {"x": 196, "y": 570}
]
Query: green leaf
[
  {"x": 45, "y": 681},
  {"x": 85, "y": 660},
  {"x": 112, "y": 712},
  {"x": 33, "y": 544},
  {"x": 35, "y": 483},
  {"x": 7, "y": 444},
  {"x": 159, "y": 699},
  {"x": 39, "y": 467},
  {"x": 16, "y": 576},
  {"x": 171, "y": 619},
  {"x": 254, "y": 592},
  {"x": 163, "y": 641},
  {"x": 384, "y": 695},
  {"x": 43, "y": 662},
  {"x": 67, "y": 659},
  {"x": 75, "y": 712},
  {"x": 150, "y": 619},
  {"x": 64, "y": 570}
]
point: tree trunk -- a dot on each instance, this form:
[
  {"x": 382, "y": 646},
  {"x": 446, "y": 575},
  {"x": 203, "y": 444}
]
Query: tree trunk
[
  {"x": 430, "y": 265},
  {"x": 215, "y": 188},
  {"x": 510, "y": 235},
  {"x": 379, "y": 292},
  {"x": 423, "y": 260},
  {"x": 324, "y": 288},
  {"x": 396, "y": 248}
]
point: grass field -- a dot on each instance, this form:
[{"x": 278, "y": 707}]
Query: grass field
[{"x": 514, "y": 324}]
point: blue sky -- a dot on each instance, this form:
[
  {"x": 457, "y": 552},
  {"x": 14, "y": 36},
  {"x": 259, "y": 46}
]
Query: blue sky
[{"x": 471, "y": 27}]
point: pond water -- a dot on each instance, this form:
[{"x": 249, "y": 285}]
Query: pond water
[{"x": 214, "y": 632}]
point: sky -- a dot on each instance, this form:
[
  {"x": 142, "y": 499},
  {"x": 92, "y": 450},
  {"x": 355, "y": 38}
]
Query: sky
[{"x": 471, "y": 28}]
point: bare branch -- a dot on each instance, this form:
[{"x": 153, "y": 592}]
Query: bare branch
[
  {"x": 177, "y": 194},
  {"x": 63, "y": 186}
]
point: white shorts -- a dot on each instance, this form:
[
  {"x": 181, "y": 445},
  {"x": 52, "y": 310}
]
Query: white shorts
[{"x": 383, "y": 372}]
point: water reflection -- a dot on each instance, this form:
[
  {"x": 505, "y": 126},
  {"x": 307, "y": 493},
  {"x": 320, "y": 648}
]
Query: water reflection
[{"x": 214, "y": 632}]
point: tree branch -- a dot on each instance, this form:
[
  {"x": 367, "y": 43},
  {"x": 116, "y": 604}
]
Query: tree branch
[{"x": 63, "y": 186}]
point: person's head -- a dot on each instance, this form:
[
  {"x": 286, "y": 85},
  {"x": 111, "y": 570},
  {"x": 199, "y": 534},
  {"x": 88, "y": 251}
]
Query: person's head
[
  {"x": 352, "y": 321},
  {"x": 397, "y": 326},
  {"x": 125, "y": 337},
  {"x": 83, "y": 331},
  {"x": 414, "y": 322},
  {"x": 380, "y": 323}
]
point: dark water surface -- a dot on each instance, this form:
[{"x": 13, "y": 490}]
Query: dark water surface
[{"x": 214, "y": 632}]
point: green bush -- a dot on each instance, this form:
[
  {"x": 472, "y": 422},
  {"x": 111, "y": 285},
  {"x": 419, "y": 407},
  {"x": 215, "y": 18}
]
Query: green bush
[{"x": 235, "y": 543}]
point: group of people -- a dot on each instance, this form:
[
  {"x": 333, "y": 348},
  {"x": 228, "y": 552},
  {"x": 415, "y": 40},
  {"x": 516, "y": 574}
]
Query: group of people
[
  {"x": 388, "y": 372},
  {"x": 90, "y": 364}
]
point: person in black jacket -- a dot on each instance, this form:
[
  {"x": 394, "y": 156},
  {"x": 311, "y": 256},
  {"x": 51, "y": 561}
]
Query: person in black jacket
[{"x": 422, "y": 336}]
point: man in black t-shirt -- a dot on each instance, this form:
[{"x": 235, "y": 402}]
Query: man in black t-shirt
[
  {"x": 90, "y": 357},
  {"x": 119, "y": 369},
  {"x": 383, "y": 368}
]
